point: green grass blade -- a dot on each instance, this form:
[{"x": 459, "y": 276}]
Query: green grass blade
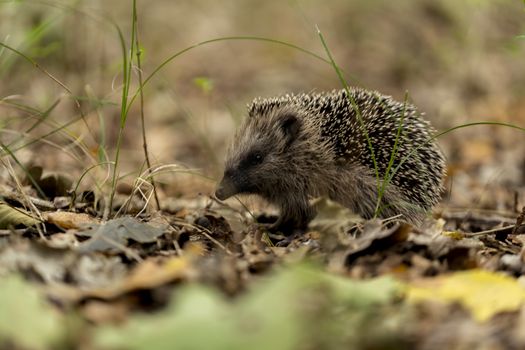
[
  {"x": 442, "y": 133},
  {"x": 353, "y": 103},
  {"x": 216, "y": 40},
  {"x": 124, "y": 107},
  {"x": 393, "y": 155}
]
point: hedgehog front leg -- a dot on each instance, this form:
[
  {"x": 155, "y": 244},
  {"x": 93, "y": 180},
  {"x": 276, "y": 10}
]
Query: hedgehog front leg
[{"x": 295, "y": 213}]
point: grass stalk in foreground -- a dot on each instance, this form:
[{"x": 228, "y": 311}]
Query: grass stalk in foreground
[
  {"x": 357, "y": 111},
  {"x": 393, "y": 155},
  {"x": 126, "y": 78},
  {"x": 142, "y": 119}
]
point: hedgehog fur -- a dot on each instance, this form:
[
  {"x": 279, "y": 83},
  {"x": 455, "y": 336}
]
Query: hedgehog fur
[{"x": 295, "y": 147}]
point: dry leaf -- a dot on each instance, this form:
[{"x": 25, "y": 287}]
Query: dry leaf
[
  {"x": 69, "y": 220},
  {"x": 148, "y": 274}
]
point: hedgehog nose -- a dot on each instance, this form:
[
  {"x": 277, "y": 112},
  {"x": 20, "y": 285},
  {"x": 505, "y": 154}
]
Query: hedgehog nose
[{"x": 225, "y": 189}]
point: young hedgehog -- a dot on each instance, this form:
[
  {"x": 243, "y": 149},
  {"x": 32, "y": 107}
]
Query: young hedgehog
[{"x": 295, "y": 147}]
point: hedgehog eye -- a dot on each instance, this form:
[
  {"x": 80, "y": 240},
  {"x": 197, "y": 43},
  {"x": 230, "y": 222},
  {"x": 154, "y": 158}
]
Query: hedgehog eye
[{"x": 255, "y": 158}]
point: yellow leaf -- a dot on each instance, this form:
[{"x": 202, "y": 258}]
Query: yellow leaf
[
  {"x": 456, "y": 235},
  {"x": 483, "y": 293},
  {"x": 147, "y": 275}
]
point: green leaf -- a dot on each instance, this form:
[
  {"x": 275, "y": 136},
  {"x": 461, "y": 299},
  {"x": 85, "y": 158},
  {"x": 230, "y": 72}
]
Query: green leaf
[
  {"x": 11, "y": 217},
  {"x": 205, "y": 84},
  {"x": 288, "y": 310},
  {"x": 25, "y": 317}
]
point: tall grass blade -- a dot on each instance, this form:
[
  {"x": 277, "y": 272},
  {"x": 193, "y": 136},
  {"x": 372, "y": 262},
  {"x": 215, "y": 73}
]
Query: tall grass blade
[
  {"x": 353, "y": 104},
  {"x": 216, "y": 40},
  {"x": 124, "y": 108},
  {"x": 143, "y": 123}
]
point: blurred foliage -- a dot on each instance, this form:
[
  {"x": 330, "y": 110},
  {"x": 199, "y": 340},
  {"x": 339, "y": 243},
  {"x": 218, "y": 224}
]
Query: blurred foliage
[
  {"x": 205, "y": 84},
  {"x": 299, "y": 307},
  {"x": 26, "y": 319}
]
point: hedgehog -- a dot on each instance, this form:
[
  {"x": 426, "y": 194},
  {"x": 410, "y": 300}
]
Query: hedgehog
[{"x": 296, "y": 147}]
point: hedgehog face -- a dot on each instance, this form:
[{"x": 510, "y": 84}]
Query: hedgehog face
[
  {"x": 241, "y": 176},
  {"x": 256, "y": 160}
]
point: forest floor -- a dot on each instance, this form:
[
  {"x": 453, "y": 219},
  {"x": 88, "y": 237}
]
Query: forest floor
[{"x": 200, "y": 274}]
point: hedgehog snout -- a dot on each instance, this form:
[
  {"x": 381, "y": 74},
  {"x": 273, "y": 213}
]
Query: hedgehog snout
[{"x": 227, "y": 187}]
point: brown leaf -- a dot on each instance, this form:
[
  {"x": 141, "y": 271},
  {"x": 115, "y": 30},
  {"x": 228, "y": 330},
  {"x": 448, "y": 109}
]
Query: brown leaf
[
  {"x": 114, "y": 234},
  {"x": 147, "y": 275},
  {"x": 376, "y": 237},
  {"x": 69, "y": 220}
]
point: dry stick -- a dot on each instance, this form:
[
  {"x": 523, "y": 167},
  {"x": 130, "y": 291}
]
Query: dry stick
[
  {"x": 392, "y": 218},
  {"x": 144, "y": 143},
  {"x": 176, "y": 244},
  {"x": 238, "y": 211},
  {"x": 494, "y": 230}
]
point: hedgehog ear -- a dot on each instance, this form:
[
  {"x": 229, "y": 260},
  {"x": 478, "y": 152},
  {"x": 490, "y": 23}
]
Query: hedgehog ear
[{"x": 290, "y": 125}]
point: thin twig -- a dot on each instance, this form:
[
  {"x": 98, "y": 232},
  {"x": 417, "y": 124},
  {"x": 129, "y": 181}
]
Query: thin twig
[
  {"x": 494, "y": 230},
  {"x": 392, "y": 218}
]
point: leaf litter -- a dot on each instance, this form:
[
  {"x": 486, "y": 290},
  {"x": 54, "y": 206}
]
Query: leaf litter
[{"x": 162, "y": 280}]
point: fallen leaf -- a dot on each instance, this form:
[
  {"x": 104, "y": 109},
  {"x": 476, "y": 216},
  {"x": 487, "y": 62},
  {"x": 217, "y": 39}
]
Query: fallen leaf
[
  {"x": 26, "y": 319},
  {"x": 69, "y": 220},
  {"x": 45, "y": 263},
  {"x": 12, "y": 217},
  {"x": 483, "y": 293},
  {"x": 376, "y": 237},
  {"x": 114, "y": 234},
  {"x": 54, "y": 266},
  {"x": 147, "y": 275},
  {"x": 331, "y": 217},
  {"x": 276, "y": 314}
]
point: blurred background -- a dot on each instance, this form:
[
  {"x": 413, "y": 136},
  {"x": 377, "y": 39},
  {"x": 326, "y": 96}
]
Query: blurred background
[{"x": 459, "y": 61}]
